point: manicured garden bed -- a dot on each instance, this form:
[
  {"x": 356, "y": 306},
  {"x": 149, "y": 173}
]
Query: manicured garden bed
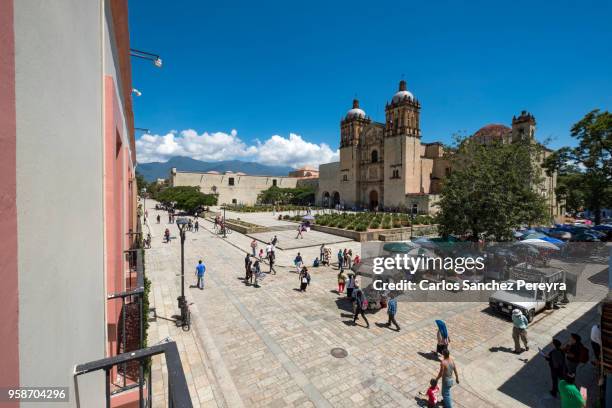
[
  {"x": 370, "y": 226},
  {"x": 362, "y": 222}
]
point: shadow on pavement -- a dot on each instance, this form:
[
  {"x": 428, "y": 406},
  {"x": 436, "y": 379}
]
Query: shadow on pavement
[
  {"x": 600, "y": 278},
  {"x": 429, "y": 355},
  {"x": 344, "y": 304},
  {"x": 504, "y": 349}
]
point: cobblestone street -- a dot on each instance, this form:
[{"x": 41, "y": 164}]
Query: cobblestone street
[{"x": 271, "y": 346}]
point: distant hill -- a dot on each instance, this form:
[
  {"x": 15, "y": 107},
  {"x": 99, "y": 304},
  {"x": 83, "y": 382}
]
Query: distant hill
[{"x": 153, "y": 171}]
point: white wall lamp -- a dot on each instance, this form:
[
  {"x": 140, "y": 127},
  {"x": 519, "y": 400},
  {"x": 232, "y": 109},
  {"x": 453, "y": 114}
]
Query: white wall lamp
[
  {"x": 136, "y": 92},
  {"x": 147, "y": 55}
]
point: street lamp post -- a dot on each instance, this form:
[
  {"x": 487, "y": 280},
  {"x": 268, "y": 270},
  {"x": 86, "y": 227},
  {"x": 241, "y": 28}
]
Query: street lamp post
[
  {"x": 144, "y": 197},
  {"x": 224, "y": 224},
  {"x": 182, "y": 302}
]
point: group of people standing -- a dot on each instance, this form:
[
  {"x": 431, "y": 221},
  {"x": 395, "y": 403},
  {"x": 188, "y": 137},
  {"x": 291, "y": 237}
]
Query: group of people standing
[
  {"x": 346, "y": 260},
  {"x": 563, "y": 360},
  {"x": 252, "y": 261},
  {"x": 253, "y": 272}
]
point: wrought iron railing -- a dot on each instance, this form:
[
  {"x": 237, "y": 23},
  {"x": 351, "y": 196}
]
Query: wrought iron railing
[{"x": 177, "y": 395}]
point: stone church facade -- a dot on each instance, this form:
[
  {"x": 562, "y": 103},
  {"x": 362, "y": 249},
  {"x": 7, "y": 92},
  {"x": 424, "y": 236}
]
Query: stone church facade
[{"x": 386, "y": 165}]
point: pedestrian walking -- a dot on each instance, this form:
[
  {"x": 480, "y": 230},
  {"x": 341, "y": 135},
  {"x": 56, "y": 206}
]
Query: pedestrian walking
[
  {"x": 442, "y": 337},
  {"x": 255, "y": 270},
  {"x": 350, "y": 286},
  {"x": 271, "y": 260},
  {"x": 570, "y": 395},
  {"x": 360, "y": 305},
  {"x": 556, "y": 362},
  {"x": 256, "y": 273},
  {"x": 340, "y": 259},
  {"x": 197, "y": 226},
  {"x": 392, "y": 311},
  {"x": 200, "y": 270},
  {"x": 167, "y": 235},
  {"x": 519, "y": 330},
  {"x": 322, "y": 253},
  {"x": 304, "y": 279},
  {"x": 349, "y": 258},
  {"x": 432, "y": 393},
  {"x": 575, "y": 353},
  {"x": 341, "y": 282},
  {"x": 158, "y": 218},
  {"x": 274, "y": 241},
  {"x": 189, "y": 225},
  {"x": 261, "y": 254},
  {"x": 269, "y": 249},
  {"x": 300, "y": 230},
  {"x": 254, "y": 247},
  {"x": 247, "y": 268},
  {"x": 448, "y": 367},
  {"x": 298, "y": 262}
]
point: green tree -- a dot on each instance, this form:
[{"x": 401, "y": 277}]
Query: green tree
[
  {"x": 593, "y": 158},
  {"x": 570, "y": 188},
  {"x": 186, "y": 198},
  {"x": 490, "y": 190},
  {"x": 297, "y": 196},
  {"x": 141, "y": 182}
]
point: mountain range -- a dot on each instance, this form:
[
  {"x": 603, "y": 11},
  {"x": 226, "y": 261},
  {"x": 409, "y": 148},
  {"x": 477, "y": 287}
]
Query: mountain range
[{"x": 154, "y": 170}]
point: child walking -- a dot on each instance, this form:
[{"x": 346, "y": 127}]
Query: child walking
[{"x": 432, "y": 393}]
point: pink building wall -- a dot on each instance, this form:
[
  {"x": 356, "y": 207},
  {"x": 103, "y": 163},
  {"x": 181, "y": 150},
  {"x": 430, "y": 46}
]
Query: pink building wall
[
  {"x": 9, "y": 312},
  {"x": 115, "y": 200}
]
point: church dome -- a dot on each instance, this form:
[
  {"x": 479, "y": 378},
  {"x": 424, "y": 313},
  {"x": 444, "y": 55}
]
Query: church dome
[
  {"x": 492, "y": 131},
  {"x": 355, "y": 112},
  {"x": 402, "y": 93}
]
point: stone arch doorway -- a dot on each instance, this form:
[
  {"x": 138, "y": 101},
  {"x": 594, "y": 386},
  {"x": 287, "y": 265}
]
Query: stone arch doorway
[
  {"x": 373, "y": 200},
  {"x": 336, "y": 199},
  {"x": 326, "y": 200}
]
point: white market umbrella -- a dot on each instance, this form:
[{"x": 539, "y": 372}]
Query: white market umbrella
[{"x": 540, "y": 244}]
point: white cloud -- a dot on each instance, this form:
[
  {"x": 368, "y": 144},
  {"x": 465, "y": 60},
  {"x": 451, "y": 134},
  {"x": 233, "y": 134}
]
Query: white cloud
[{"x": 277, "y": 150}]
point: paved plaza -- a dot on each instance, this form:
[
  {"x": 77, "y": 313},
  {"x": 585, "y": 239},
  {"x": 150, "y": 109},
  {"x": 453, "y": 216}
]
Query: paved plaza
[{"x": 271, "y": 346}]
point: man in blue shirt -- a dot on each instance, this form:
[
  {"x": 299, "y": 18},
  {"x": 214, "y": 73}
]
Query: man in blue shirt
[
  {"x": 200, "y": 269},
  {"x": 519, "y": 330},
  {"x": 391, "y": 311}
]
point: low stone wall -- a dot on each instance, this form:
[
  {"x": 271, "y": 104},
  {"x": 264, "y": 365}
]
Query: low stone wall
[
  {"x": 392, "y": 234},
  {"x": 404, "y": 234},
  {"x": 243, "y": 227}
]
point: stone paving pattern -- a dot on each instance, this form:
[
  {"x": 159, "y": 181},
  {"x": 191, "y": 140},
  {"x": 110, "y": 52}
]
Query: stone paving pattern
[{"x": 270, "y": 346}]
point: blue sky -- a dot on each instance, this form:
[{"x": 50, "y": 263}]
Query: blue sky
[{"x": 277, "y": 68}]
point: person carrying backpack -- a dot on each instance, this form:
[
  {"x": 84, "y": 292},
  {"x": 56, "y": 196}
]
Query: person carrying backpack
[{"x": 304, "y": 279}]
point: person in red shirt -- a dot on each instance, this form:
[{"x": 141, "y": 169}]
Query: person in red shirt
[{"x": 432, "y": 393}]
